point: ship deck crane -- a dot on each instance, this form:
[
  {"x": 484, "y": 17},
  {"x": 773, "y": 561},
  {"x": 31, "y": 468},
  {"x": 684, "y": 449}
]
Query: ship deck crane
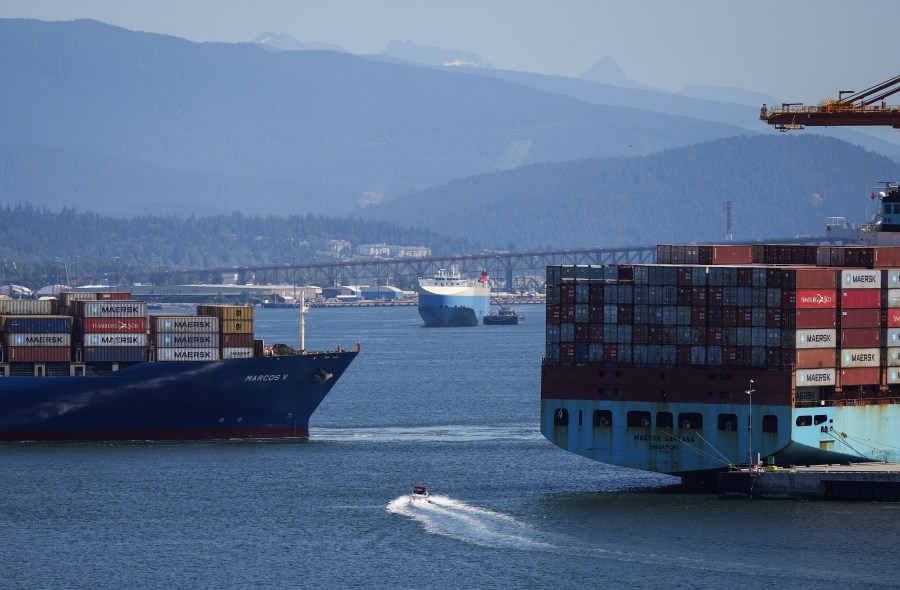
[{"x": 851, "y": 108}]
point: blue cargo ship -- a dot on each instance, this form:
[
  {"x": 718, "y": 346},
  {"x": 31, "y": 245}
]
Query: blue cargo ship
[
  {"x": 450, "y": 300},
  {"x": 88, "y": 386}
]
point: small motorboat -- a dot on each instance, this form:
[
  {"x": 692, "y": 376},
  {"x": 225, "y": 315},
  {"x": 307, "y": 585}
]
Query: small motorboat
[
  {"x": 507, "y": 316},
  {"x": 420, "y": 493}
]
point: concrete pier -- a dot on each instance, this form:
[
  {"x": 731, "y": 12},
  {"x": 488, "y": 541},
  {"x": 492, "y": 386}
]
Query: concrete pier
[{"x": 859, "y": 481}]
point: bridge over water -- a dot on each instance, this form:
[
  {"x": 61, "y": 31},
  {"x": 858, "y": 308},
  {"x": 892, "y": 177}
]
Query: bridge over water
[{"x": 509, "y": 270}]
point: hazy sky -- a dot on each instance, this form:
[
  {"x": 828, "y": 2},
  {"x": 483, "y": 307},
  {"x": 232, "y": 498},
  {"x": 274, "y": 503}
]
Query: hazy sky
[{"x": 796, "y": 50}]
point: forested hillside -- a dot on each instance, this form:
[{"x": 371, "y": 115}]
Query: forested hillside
[
  {"x": 780, "y": 186},
  {"x": 35, "y": 240}
]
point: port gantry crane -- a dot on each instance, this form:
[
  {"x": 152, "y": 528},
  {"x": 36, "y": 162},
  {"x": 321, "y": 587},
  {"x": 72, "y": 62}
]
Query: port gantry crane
[{"x": 851, "y": 108}]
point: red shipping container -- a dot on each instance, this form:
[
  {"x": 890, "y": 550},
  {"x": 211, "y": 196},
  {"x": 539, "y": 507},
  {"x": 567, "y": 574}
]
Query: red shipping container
[
  {"x": 816, "y": 358},
  {"x": 112, "y": 325},
  {"x": 567, "y": 312},
  {"x": 596, "y": 335},
  {"x": 817, "y": 298},
  {"x": 610, "y": 353},
  {"x": 861, "y": 298},
  {"x": 698, "y": 316},
  {"x": 714, "y": 336},
  {"x": 887, "y": 256},
  {"x": 714, "y": 296},
  {"x": 816, "y": 278},
  {"x": 774, "y": 317},
  {"x": 732, "y": 255},
  {"x": 567, "y": 352},
  {"x": 861, "y": 338},
  {"x": 553, "y": 315},
  {"x": 861, "y": 318},
  {"x": 567, "y": 293},
  {"x": 860, "y": 376},
  {"x": 39, "y": 354},
  {"x": 698, "y": 295},
  {"x": 893, "y": 318},
  {"x": 816, "y": 318}
]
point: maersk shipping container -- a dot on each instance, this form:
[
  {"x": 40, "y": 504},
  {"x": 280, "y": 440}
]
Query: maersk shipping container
[
  {"x": 114, "y": 339},
  {"x": 815, "y": 377},
  {"x": 816, "y": 338},
  {"x": 39, "y": 339},
  {"x": 186, "y": 340},
  {"x": 860, "y": 279},
  {"x": 187, "y": 354},
  {"x": 187, "y": 323},
  {"x": 111, "y": 309},
  {"x": 860, "y": 357}
]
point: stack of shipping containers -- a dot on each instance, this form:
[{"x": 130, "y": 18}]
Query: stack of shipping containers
[
  {"x": 30, "y": 332},
  {"x": 185, "y": 338},
  {"x": 235, "y": 329},
  {"x": 818, "y": 310},
  {"x": 110, "y": 330},
  {"x": 861, "y": 331}
]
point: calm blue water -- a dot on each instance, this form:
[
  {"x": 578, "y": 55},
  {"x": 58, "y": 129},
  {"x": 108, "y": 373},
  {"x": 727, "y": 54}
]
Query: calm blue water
[{"x": 455, "y": 409}]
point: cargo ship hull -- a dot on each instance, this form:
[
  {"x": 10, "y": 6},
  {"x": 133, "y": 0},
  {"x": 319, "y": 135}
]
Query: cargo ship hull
[{"x": 260, "y": 397}]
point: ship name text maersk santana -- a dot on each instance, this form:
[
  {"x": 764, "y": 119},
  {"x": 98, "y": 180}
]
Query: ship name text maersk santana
[
  {"x": 96, "y": 366},
  {"x": 450, "y": 300},
  {"x": 718, "y": 356}
]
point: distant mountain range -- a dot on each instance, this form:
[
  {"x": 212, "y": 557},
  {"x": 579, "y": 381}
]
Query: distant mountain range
[
  {"x": 124, "y": 123},
  {"x": 780, "y": 187}
]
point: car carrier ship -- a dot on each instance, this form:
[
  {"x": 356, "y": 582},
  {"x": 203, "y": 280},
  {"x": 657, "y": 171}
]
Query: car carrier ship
[
  {"x": 722, "y": 355},
  {"x": 96, "y": 366},
  {"x": 451, "y": 300}
]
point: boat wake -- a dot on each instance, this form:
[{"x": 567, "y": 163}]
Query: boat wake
[
  {"x": 444, "y": 433},
  {"x": 445, "y": 516}
]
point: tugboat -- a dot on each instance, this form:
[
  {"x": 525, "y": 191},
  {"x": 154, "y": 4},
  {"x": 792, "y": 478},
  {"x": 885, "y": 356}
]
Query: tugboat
[
  {"x": 507, "y": 316},
  {"x": 420, "y": 493}
]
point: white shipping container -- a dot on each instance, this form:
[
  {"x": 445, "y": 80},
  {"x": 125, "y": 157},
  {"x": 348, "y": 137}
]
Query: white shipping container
[
  {"x": 237, "y": 352},
  {"x": 860, "y": 357},
  {"x": 27, "y": 306},
  {"x": 112, "y": 309},
  {"x": 893, "y": 297},
  {"x": 817, "y": 338},
  {"x": 815, "y": 377},
  {"x": 42, "y": 339},
  {"x": 860, "y": 279},
  {"x": 114, "y": 339},
  {"x": 893, "y": 357},
  {"x": 187, "y": 354},
  {"x": 186, "y": 340},
  {"x": 893, "y": 279},
  {"x": 183, "y": 323},
  {"x": 893, "y": 376},
  {"x": 893, "y": 337}
]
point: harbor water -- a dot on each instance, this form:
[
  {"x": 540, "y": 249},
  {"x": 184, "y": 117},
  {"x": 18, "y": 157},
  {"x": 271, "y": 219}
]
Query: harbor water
[{"x": 456, "y": 409}]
